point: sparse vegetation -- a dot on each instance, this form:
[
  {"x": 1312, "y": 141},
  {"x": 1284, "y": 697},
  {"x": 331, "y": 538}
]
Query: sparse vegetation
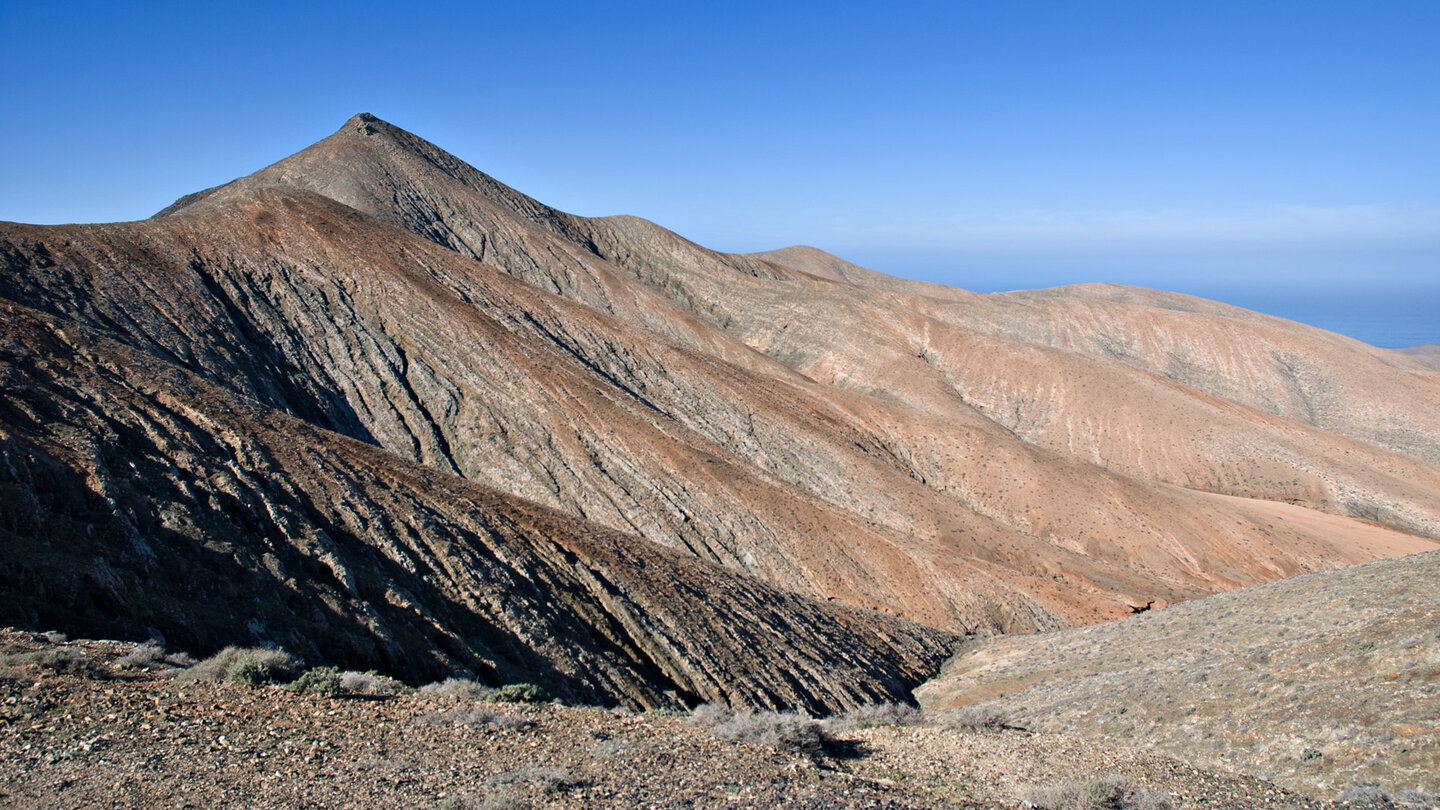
[
  {"x": 1364, "y": 796},
  {"x": 877, "y": 715},
  {"x": 145, "y": 725},
  {"x": 1417, "y": 798},
  {"x": 62, "y": 661},
  {"x": 148, "y": 654},
  {"x": 458, "y": 688},
  {"x": 318, "y": 681},
  {"x": 977, "y": 717},
  {"x": 369, "y": 683},
  {"x": 545, "y": 779},
  {"x": 784, "y": 731},
  {"x": 519, "y": 693},
  {"x": 251, "y": 666},
  {"x": 1110, "y": 793},
  {"x": 481, "y": 715},
  {"x": 610, "y": 747}
]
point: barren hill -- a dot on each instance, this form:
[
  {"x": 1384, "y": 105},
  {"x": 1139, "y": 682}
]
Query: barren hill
[
  {"x": 1428, "y": 354},
  {"x": 608, "y": 409},
  {"x": 1321, "y": 683}
]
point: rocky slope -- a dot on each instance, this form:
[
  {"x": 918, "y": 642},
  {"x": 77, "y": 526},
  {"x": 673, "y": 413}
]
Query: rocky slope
[
  {"x": 803, "y": 439},
  {"x": 142, "y": 500},
  {"x": 137, "y": 738},
  {"x": 1324, "y": 683}
]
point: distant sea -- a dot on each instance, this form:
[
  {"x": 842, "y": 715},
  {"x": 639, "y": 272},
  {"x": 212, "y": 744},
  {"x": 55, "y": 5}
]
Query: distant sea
[
  {"x": 1391, "y": 317},
  {"x": 1394, "y": 307}
]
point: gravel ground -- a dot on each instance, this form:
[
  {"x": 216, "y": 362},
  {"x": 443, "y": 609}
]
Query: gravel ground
[
  {"x": 1328, "y": 683},
  {"x": 96, "y": 736}
]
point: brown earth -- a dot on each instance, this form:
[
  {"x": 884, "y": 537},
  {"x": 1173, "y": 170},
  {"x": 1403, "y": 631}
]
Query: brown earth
[
  {"x": 1428, "y": 354},
  {"x": 1322, "y": 683},
  {"x": 138, "y": 738},
  {"x": 373, "y": 388}
]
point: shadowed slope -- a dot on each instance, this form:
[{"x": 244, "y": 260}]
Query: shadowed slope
[{"x": 141, "y": 499}]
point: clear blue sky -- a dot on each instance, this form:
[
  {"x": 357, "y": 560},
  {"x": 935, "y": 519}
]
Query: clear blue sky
[{"x": 983, "y": 143}]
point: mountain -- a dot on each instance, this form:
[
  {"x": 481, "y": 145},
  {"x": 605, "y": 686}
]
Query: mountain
[{"x": 371, "y": 386}]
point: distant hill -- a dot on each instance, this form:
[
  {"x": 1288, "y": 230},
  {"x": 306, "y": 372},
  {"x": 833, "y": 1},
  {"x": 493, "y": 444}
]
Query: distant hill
[{"x": 1429, "y": 355}]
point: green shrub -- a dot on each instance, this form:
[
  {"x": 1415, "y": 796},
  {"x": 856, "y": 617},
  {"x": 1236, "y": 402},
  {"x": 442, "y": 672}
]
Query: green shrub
[
  {"x": 318, "y": 681},
  {"x": 519, "y": 693}
]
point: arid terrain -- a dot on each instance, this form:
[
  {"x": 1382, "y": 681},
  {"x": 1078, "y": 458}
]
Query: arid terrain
[
  {"x": 103, "y": 736},
  {"x": 1321, "y": 683},
  {"x": 376, "y": 408}
]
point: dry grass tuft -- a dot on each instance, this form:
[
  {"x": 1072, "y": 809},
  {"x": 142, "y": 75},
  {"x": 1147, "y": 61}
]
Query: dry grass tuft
[
  {"x": 252, "y": 666},
  {"x": 785, "y": 731},
  {"x": 876, "y": 716},
  {"x": 369, "y": 683},
  {"x": 458, "y": 688},
  {"x": 480, "y": 715}
]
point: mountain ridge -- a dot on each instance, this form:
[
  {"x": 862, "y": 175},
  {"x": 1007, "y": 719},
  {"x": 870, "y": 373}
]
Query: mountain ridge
[{"x": 971, "y": 463}]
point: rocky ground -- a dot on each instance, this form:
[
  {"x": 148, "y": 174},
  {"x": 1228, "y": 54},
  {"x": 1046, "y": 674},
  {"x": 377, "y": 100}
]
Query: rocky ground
[
  {"x": 76, "y": 730},
  {"x": 1327, "y": 683}
]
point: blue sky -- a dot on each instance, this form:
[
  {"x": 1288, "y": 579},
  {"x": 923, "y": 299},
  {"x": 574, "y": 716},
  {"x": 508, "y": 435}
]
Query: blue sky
[{"x": 983, "y": 143}]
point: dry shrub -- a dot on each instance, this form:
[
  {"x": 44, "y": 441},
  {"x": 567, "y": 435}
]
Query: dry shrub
[
  {"x": 1364, "y": 796},
  {"x": 784, "y": 731},
  {"x": 1417, "y": 798},
  {"x": 877, "y": 715},
  {"x": 141, "y": 656},
  {"x": 458, "y": 688},
  {"x": 369, "y": 683},
  {"x": 180, "y": 660},
  {"x": 1109, "y": 793},
  {"x": 480, "y": 715},
  {"x": 62, "y": 661},
  {"x": 251, "y": 666},
  {"x": 711, "y": 715},
  {"x": 544, "y": 778},
  {"x": 978, "y": 717}
]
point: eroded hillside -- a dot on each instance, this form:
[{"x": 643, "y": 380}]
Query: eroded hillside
[{"x": 817, "y": 444}]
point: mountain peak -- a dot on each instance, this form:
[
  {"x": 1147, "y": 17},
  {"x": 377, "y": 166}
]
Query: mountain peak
[{"x": 364, "y": 123}]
